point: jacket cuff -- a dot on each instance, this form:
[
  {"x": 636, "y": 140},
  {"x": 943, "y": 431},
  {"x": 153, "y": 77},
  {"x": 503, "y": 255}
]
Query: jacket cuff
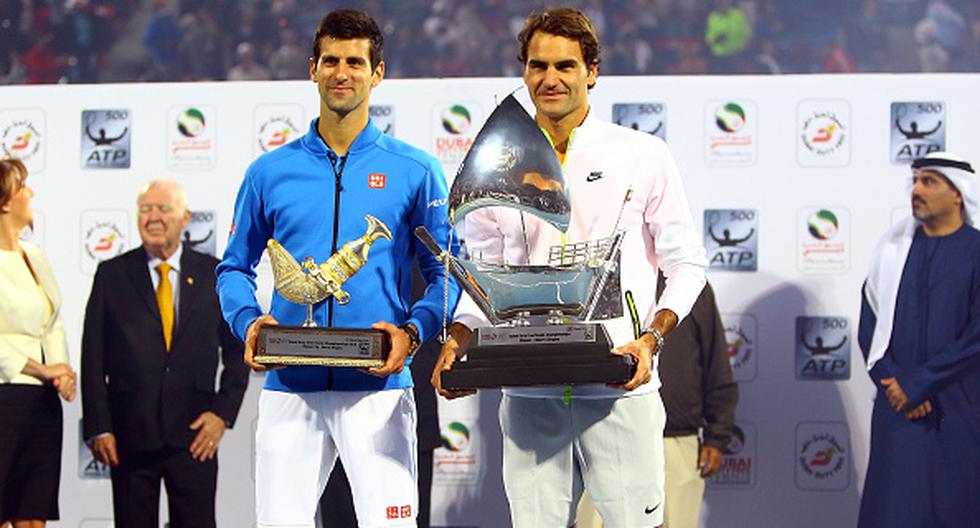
[{"x": 243, "y": 320}]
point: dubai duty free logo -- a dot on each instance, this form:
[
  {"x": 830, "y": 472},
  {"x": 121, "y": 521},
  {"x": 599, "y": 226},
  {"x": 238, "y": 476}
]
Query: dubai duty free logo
[
  {"x": 22, "y": 136},
  {"x": 275, "y": 125},
  {"x": 824, "y": 133},
  {"x": 104, "y": 235},
  {"x": 822, "y": 456},
  {"x": 741, "y": 331}
]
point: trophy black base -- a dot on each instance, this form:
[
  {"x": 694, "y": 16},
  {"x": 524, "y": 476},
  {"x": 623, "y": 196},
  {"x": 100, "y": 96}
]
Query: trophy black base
[
  {"x": 320, "y": 346},
  {"x": 555, "y": 355}
]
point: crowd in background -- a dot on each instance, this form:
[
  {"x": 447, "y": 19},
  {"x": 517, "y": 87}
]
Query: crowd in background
[{"x": 84, "y": 41}]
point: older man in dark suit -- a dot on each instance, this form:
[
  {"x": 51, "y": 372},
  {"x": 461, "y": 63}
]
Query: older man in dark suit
[{"x": 153, "y": 334}]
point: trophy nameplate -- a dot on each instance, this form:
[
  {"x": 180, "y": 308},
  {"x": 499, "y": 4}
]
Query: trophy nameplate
[
  {"x": 325, "y": 347},
  {"x": 566, "y": 354}
]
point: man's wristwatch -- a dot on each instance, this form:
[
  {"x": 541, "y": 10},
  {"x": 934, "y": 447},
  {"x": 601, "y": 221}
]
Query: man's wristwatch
[
  {"x": 413, "y": 336},
  {"x": 656, "y": 335}
]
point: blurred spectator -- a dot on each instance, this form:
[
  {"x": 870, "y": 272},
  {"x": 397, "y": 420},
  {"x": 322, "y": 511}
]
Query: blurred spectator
[
  {"x": 951, "y": 28},
  {"x": 691, "y": 60},
  {"x": 201, "y": 49},
  {"x": 769, "y": 25},
  {"x": 765, "y": 61},
  {"x": 162, "y": 40},
  {"x": 12, "y": 70},
  {"x": 973, "y": 50},
  {"x": 41, "y": 62},
  {"x": 444, "y": 38},
  {"x": 727, "y": 33},
  {"x": 838, "y": 60},
  {"x": 869, "y": 43},
  {"x": 246, "y": 68},
  {"x": 289, "y": 61},
  {"x": 933, "y": 57}
]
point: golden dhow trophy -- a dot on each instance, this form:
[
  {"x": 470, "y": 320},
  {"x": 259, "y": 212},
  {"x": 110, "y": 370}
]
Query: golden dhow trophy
[{"x": 309, "y": 283}]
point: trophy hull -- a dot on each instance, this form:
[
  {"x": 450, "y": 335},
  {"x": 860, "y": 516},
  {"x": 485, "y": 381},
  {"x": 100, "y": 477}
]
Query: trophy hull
[
  {"x": 572, "y": 354},
  {"x": 325, "y": 347}
]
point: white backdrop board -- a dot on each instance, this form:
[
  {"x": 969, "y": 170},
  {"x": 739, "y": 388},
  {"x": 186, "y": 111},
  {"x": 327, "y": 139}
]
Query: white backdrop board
[{"x": 791, "y": 178}]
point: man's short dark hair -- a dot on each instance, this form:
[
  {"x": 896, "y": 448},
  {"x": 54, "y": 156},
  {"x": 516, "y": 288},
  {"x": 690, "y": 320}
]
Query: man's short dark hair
[
  {"x": 345, "y": 24},
  {"x": 563, "y": 22}
]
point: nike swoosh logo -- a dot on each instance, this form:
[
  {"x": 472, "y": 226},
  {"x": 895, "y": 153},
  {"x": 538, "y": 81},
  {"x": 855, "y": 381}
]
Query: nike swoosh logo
[
  {"x": 593, "y": 176},
  {"x": 648, "y": 511}
]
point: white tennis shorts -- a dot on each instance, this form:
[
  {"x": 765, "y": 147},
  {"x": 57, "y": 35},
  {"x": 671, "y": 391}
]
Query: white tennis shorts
[
  {"x": 300, "y": 436},
  {"x": 612, "y": 447}
]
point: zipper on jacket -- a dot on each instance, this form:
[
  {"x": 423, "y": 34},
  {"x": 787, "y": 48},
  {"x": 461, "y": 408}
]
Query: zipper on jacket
[{"x": 338, "y": 187}]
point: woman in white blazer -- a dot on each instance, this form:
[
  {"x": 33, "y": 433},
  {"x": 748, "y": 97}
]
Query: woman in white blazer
[{"x": 34, "y": 367}]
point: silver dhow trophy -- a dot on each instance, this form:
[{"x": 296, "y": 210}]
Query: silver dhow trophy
[
  {"x": 544, "y": 318},
  {"x": 309, "y": 283}
]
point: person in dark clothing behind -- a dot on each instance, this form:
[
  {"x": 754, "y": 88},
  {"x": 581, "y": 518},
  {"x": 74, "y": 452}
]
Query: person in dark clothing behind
[{"x": 700, "y": 397}]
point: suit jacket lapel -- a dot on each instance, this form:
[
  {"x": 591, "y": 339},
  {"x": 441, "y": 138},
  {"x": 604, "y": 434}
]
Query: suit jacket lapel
[
  {"x": 190, "y": 286},
  {"x": 139, "y": 275}
]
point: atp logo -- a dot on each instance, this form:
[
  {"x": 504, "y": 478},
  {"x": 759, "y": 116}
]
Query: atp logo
[
  {"x": 106, "y": 138},
  {"x": 918, "y": 128},
  {"x": 823, "y": 348},
  {"x": 731, "y": 238}
]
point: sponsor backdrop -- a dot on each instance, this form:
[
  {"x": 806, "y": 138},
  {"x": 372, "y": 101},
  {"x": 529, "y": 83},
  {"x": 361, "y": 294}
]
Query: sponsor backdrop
[{"x": 791, "y": 179}]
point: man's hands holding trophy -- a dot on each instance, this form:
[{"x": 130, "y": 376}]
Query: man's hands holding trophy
[
  {"x": 642, "y": 349},
  {"x": 402, "y": 345},
  {"x": 454, "y": 348}
]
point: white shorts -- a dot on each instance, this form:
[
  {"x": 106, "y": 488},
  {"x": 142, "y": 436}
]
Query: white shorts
[
  {"x": 300, "y": 436},
  {"x": 611, "y": 447}
]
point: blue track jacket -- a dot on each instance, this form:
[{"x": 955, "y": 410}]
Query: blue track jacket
[{"x": 301, "y": 194}]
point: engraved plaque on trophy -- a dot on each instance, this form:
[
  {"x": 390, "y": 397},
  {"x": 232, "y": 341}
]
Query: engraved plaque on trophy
[
  {"x": 544, "y": 318},
  {"x": 309, "y": 283}
]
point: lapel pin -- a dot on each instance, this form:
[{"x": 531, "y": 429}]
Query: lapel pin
[{"x": 190, "y": 281}]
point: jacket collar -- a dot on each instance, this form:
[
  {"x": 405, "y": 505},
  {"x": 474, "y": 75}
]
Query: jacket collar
[{"x": 364, "y": 140}]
